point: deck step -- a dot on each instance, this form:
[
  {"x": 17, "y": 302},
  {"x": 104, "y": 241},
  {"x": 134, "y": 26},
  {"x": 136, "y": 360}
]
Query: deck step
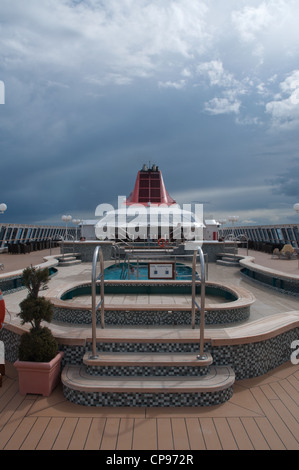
[
  {"x": 145, "y": 254},
  {"x": 67, "y": 255},
  {"x": 69, "y": 262},
  {"x": 144, "y": 364},
  {"x": 224, "y": 262},
  {"x": 147, "y": 359},
  {"x": 211, "y": 389}
]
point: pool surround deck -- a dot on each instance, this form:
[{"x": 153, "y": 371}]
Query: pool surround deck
[
  {"x": 147, "y": 309},
  {"x": 261, "y": 414},
  {"x": 250, "y": 331}
]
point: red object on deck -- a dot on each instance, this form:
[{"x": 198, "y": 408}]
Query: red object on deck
[
  {"x": 2, "y": 309},
  {"x": 162, "y": 242},
  {"x": 149, "y": 188}
]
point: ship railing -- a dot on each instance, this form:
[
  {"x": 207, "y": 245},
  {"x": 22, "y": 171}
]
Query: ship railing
[{"x": 137, "y": 259}]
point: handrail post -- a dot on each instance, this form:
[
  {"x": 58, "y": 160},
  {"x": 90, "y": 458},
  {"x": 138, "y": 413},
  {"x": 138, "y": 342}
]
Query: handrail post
[
  {"x": 97, "y": 253},
  {"x": 202, "y": 298},
  {"x": 193, "y": 288}
]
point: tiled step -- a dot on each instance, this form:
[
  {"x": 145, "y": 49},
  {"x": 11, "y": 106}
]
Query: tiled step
[
  {"x": 147, "y": 364},
  {"x": 149, "y": 250},
  {"x": 147, "y": 359},
  {"x": 68, "y": 255},
  {"x": 69, "y": 262},
  {"x": 211, "y": 389},
  {"x": 227, "y": 262}
]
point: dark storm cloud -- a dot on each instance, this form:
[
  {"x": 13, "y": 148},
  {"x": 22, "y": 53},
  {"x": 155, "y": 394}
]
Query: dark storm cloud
[
  {"x": 287, "y": 183},
  {"x": 95, "y": 89}
]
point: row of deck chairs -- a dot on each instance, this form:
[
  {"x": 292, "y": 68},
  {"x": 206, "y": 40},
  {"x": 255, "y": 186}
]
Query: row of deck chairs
[
  {"x": 21, "y": 248},
  {"x": 263, "y": 246}
]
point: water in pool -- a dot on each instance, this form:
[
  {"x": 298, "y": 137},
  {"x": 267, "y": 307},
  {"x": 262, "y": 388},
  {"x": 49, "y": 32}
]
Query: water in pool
[{"x": 122, "y": 271}]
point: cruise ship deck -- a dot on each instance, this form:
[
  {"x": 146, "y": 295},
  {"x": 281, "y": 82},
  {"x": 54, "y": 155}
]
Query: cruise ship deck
[{"x": 262, "y": 413}]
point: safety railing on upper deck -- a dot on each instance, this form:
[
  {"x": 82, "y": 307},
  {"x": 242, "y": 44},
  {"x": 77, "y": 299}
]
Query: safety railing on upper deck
[
  {"x": 97, "y": 254},
  {"x": 138, "y": 260},
  {"x": 195, "y": 305}
]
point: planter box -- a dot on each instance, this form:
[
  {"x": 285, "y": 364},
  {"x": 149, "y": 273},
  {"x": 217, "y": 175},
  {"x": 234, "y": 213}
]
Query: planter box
[{"x": 39, "y": 378}]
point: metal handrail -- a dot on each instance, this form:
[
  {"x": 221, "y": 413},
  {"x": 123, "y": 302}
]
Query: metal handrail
[
  {"x": 201, "y": 308},
  {"x": 115, "y": 253},
  {"x": 97, "y": 252},
  {"x": 142, "y": 258}
]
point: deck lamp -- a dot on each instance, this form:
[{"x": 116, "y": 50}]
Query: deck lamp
[
  {"x": 77, "y": 222},
  {"x": 233, "y": 219},
  {"x": 3, "y": 208},
  {"x": 66, "y": 219},
  {"x": 222, "y": 222}
]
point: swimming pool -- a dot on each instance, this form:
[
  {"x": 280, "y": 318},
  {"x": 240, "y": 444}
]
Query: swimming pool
[
  {"x": 10, "y": 283},
  {"x": 132, "y": 302},
  {"x": 135, "y": 271}
]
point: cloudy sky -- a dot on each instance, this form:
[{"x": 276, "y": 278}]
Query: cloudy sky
[{"x": 206, "y": 89}]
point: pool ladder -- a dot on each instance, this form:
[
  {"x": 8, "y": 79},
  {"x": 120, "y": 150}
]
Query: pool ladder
[
  {"x": 97, "y": 254},
  {"x": 115, "y": 254},
  {"x": 195, "y": 305}
]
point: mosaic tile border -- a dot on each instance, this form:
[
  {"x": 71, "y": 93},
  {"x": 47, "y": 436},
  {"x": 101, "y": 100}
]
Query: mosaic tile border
[
  {"x": 247, "y": 360},
  {"x": 256, "y": 359},
  {"x": 154, "y": 317},
  {"x": 146, "y": 371},
  {"x": 283, "y": 286},
  {"x": 148, "y": 399}
]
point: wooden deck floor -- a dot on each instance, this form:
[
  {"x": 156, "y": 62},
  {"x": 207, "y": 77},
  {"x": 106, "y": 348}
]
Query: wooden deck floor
[{"x": 262, "y": 414}]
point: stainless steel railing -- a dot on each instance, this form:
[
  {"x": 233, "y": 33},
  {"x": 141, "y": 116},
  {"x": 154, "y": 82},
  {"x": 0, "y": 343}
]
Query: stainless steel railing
[
  {"x": 139, "y": 259},
  {"x": 195, "y": 305},
  {"x": 97, "y": 254}
]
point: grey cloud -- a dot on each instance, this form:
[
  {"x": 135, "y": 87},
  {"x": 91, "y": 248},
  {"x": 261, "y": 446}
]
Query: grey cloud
[
  {"x": 287, "y": 183},
  {"x": 94, "y": 89}
]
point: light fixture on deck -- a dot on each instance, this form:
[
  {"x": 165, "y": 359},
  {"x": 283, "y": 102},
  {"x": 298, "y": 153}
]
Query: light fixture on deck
[
  {"x": 3, "y": 208},
  {"x": 233, "y": 219},
  {"x": 66, "y": 219},
  {"x": 77, "y": 222},
  {"x": 222, "y": 222}
]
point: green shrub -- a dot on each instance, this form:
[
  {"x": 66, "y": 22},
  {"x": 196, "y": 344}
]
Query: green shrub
[
  {"x": 35, "y": 310},
  {"x": 38, "y": 345},
  {"x": 35, "y": 279}
]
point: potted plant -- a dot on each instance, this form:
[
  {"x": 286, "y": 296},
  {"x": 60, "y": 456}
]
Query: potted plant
[{"x": 39, "y": 363}]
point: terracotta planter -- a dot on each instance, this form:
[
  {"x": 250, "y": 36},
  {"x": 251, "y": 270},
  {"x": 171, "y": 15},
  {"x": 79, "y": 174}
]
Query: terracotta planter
[{"x": 39, "y": 378}]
